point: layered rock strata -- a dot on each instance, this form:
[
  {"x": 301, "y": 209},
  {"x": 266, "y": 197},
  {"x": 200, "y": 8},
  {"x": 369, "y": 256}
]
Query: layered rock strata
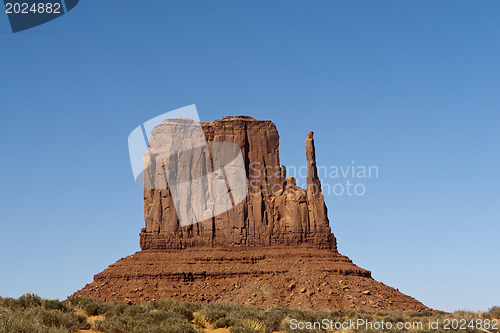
[{"x": 302, "y": 277}]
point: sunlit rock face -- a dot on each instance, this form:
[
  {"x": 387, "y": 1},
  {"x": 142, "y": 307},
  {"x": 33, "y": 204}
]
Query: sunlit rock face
[{"x": 274, "y": 212}]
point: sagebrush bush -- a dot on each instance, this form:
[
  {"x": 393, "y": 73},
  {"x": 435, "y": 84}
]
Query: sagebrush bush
[
  {"x": 161, "y": 316},
  {"x": 91, "y": 306},
  {"x": 273, "y": 319},
  {"x": 223, "y": 323},
  {"x": 420, "y": 314},
  {"x": 52, "y": 304},
  {"x": 218, "y": 310},
  {"x": 494, "y": 311},
  {"x": 41, "y": 320},
  {"x": 31, "y": 314},
  {"x": 30, "y": 301},
  {"x": 184, "y": 309}
]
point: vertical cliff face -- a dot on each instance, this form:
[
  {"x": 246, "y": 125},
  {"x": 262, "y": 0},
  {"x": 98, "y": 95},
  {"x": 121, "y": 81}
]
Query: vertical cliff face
[{"x": 274, "y": 212}]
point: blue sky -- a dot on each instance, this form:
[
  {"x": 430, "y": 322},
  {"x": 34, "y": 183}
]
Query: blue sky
[{"x": 409, "y": 86}]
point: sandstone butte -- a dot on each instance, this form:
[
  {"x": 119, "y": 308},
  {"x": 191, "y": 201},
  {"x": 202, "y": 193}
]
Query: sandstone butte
[{"x": 273, "y": 249}]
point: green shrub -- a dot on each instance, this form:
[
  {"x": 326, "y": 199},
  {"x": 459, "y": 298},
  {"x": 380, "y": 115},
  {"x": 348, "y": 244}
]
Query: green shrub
[
  {"x": 218, "y": 310},
  {"x": 273, "y": 319},
  {"x": 420, "y": 314},
  {"x": 92, "y": 307},
  {"x": 52, "y": 304},
  {"x": 382, "y": 313},
  {"x": 57, "y": 318},
  {"x": 223, "y": 323},
  {"x": 29, "y": 301},
  {"x": 116, "y": 309},
  {"x": 117, "y": 324},
  {"x": 41, "y": 320},
  {"x": 395, "y": 317},
  {"x": 184, "y": 309},
  {"x": 174, "y": 326},
  {"x": 73, "y": 301}
]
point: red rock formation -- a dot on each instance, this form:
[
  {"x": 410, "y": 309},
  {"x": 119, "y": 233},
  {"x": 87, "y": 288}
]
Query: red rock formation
[
  {"x": 273, "y": 249},
  {"x": 275, "y": 211}
]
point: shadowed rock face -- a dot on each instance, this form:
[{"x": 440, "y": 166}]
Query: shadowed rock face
[
  {"x": 275, "y": 248},
  {"x": 275, "y": 211}
]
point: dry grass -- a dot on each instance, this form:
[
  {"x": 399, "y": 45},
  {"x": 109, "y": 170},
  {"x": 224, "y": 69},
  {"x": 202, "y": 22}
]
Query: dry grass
[{"x": 31, "y": 314}]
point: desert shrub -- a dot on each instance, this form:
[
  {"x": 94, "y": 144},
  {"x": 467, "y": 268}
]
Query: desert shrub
[
  {"x": 200, "y": 320},
  {"x": 223, "y": 323},
  {"x": 248, "y": 326},
  {"x": 273, "y": 319},
  {"x": 31, "y": 314},
  {"x": 73, "y": 301},
  {"x": 308, "y": 316},
  {"x": 157, "y": 317},
  {"x": 116, "y": 309},
  {"x": 184, "y": 309},
  {"x": 420, "y": 314},
  {"x": 241, "y": 329},
  {"x": 285, "y": 325},
  {"x": 382, "y": 313},
  {"x": 8, "y": 303},
  {"x": 30, "y": 301},
  {"x": 57, "y": 318},
  {"x": 176, "y": 325},
  {"x": 17, "y": 322},
  {"x": 354, "y": 315},
  {"x": 242, "y": 317},
  {"x": 117, "y": 324},
  {"x": 52, "y": 304},
  {"x": 91, "y": 306},
  {"x": 253, "y": 324},
  {"x": 135, "y": 310},
  {"x": 239, "y": 318},
  {"x": 94, "y": 308},
  {"x": 144, "y": 324},
  {"x": 41, "y": 320},
  {"x": 494, "y": 311},
  {"x": 462, "y": 313},
  {"x": 395, "y": 317},
  {"x": 149, "y": 318},
  {"x": 217, "y": 310}
]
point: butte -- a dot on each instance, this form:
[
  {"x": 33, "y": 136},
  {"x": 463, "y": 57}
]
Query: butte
[{"x": 275, "y": 248}]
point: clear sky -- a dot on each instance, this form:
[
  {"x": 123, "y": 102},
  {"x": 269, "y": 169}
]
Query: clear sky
[{"x": 411, "y": 87}]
